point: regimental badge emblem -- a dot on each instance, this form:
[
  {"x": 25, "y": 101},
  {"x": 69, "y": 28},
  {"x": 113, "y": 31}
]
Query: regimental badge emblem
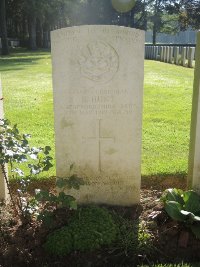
[{"x": 99, "y": 62}]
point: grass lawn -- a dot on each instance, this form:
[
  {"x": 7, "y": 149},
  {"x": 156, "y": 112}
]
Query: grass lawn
[{"x": 27, "y": 89}]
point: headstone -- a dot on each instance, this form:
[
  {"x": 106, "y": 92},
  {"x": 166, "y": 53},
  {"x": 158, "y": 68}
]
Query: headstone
[
  {"x": 155, "y": 52},
  {"x": 171, "y": 50},
  {"x": 98, "y": 89},
  {"x": 162, "y": 53},
  {"x": 167, "y": 55},
  {"x": 152, "y": 52},
  {"x": 194, "y": 154},
  {"x": 191, "y": 57},
  {"x": 3, "y": 187},
  {"x": 183, "y": 57},
  {"x": 176, "y": 55},
  {"x": 147, "y": 52}
]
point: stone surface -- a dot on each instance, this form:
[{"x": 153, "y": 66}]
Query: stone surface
[
  {"x": 176, "y": 55},
  {"x": 3, "y": 187},
  {"x": 183, "y": 56},
  {"x": 171, "y": 51},
  {"x": 167, "y": 55},
  {"x": 191, "y": 56},
  {"x": 162, "y": 53},
  {"x": 98, "y": 90},
  {"x": 194, "y": 154}
]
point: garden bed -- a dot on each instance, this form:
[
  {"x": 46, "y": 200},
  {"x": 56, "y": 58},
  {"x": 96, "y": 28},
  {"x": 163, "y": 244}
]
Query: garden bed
[{"x": 161, "y": 239}]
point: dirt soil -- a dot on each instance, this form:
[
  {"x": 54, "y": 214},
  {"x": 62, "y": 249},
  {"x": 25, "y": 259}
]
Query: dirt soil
[{"x": 21, "y": 244}]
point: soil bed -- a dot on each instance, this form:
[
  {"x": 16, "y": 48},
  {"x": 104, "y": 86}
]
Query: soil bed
[{"x": 22, "y": 244}]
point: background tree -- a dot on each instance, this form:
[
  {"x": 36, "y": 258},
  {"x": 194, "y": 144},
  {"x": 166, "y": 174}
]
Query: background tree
[
  {"x": 159, "y": 20},
  {"x": 3, "y": 28},
  {"x": 32, "y": 20}
]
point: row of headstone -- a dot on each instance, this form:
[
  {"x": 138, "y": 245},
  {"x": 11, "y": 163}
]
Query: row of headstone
[
  {"x": 3, "y": 188},
  {"x": 183, "y": 56}
]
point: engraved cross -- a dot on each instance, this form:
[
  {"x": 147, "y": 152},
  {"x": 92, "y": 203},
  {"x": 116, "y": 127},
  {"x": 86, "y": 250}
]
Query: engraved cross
[{"x": 100, "y": 138}]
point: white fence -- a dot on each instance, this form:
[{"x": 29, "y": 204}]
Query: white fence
[{"x": 178, "y": 55}]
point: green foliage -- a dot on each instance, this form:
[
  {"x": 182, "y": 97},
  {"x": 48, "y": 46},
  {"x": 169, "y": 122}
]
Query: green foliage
[
  {"x": 61, "y": 200},
  {"x": 183, "y": 206},
  {"x": 90, "y": 228},
  {"x": 60, "y": 242},
  {"x": 15, "y": 150},
  {"x": 145, "y": 241},
  {"x": 71, "y": 182},
  {"x": 133, "y": 238}
]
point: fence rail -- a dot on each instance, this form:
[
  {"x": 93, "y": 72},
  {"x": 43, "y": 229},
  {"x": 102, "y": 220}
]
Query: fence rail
[{"x": 179, "y": 55}]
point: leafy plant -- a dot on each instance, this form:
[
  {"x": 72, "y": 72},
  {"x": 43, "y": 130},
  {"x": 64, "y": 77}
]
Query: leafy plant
[
  {"x": 61, "y": 200},
  {"x": 133, "y": 238},
  {"x": 183, "y": 206},
  {"x": 89, "y": 229},
  {"x": 15, "y": 150}
]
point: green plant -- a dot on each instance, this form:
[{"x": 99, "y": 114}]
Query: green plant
[
  {"x": 61, "y": 200},
  {"x": 14, "y": 150},
  {"x": 183, "y": 206},
  {"x": 60, "y": 242},
  {"x": 133, "y": 237},
  {"x": 89, "y": 229},
  {"x": 145, "y": 241}
]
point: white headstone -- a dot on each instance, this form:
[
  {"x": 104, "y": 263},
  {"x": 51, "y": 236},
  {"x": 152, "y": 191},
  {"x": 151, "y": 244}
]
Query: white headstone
[
  {"x": 3, "y": 187},
  {"x": 162, "y": 54},
  {"x": 176, "y": 55},
  {"x": 171, "y": 50},
  {"x": 98, "y": 89},
  {"x": 167, "y": 55},
  {"x": 191, "y": 56},
  {"x": 194, "y": 155},
  {"x": 183, "y": 57}
]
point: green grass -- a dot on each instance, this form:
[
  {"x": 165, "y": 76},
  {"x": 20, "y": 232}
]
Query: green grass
[
  {"x": 28, "y": 97},
  {"x": 166, "y": 118},
  {"x": 27, "y": 88}
]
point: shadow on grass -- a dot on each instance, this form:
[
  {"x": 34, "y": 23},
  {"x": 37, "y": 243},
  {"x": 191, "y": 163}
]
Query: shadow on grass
[
  {"x": 162, "y": 181},
  {"x": 21, "y": 58}
]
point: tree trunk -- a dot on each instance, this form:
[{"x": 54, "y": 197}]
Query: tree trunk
[
  {"x": 154, "y": 34},
  {"x": 4, "y": 39},
  {"x": 132, "y": 18},
  {"x": 39, "y": 37},
  {"x": 32, "y": 32},
  {"x": 46, "y": 35}
]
